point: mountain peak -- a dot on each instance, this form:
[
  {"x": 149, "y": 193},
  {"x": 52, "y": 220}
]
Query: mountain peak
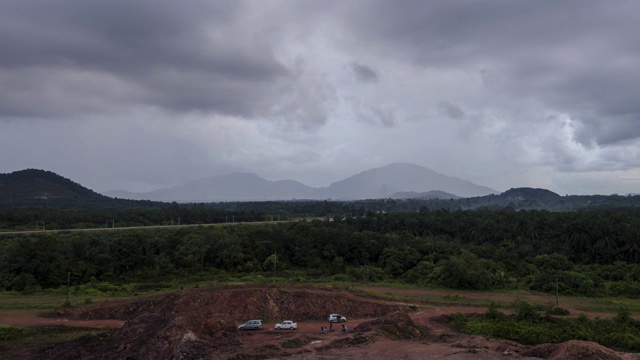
[
  {"x": 41, "y": 184},
  {"x": 383, "y": 182}
]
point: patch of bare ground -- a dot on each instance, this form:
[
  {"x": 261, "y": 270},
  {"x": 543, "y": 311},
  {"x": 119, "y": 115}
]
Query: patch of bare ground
[
  {"x": 202, "y": 324},
  {"x": 575, "y": 349}
]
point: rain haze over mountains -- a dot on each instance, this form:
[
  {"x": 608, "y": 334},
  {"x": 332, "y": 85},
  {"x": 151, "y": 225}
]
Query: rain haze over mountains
[{"x": 384, "y": 182}]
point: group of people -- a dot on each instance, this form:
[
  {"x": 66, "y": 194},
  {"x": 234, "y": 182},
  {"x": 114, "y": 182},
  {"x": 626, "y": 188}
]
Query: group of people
[{"x": 324, "y": 328}]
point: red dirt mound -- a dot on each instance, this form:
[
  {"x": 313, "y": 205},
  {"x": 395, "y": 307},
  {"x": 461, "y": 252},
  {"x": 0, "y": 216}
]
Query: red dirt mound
[
  {"x": 396, "y": 325},
  {"x": 199, "y": 323},
  {"x": 114, "y": 309},
  {"x": 245, "y": 303},
  {"x": 573, "y": 349}
]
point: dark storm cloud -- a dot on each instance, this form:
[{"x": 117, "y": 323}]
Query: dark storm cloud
[
  {"x": 363, "y": 73},
  {"x": 73, "y": 57},
  {"x": 452, "y": 110},
  {"x": 576, "y": 57}
]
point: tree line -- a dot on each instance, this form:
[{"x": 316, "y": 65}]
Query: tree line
[{"x": 588, "y": 253}]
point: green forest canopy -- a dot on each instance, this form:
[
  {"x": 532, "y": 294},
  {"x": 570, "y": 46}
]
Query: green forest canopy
[{"x": 587, "y": 252}]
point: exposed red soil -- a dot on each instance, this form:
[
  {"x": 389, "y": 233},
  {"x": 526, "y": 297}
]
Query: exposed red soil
[
  {"x": 201, "y": 323},
  {"x": 574, "y": 349}
]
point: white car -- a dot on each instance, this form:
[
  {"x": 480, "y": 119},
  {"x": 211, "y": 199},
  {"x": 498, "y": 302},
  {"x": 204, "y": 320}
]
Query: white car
[
  {"x": 336, "y": 318},
  {"x": 287, "y": 324}
]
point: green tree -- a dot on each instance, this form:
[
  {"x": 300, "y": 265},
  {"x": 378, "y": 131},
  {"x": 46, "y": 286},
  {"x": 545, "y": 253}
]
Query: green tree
[{"x": 467, "y": 271}]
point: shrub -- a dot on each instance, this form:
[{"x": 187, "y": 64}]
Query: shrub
[
  {"x": 625, "y": 288},
  {"x": 623, "y": 316},
  {"x": 556, "y": 310},
  {"x": 8, "y": 332},
  {"x": 524, "y": 310},
  {"x": 106, "y": 287},
  {"x": 156, "y": 286},
  {"x": 493, "y": 312},
  {"x": 618, "y": 333}
]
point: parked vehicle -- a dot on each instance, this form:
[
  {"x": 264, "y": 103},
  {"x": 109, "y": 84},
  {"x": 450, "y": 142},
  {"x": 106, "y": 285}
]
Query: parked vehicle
[
  {"x": 287, "y": 324},
  {"x": 336, "y": 318},
  {"x": 251, "y": 325}
]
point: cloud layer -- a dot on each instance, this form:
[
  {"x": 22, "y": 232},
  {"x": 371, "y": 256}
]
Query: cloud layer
[{"x": 502, "y": 93}]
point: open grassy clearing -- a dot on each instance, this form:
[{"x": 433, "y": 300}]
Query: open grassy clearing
[
  {"x": 597, "y": 307},
  {"x": 606, "y": 305},
  {"x": 41, "y": 302},
  {"x": 36, "y": 337}
]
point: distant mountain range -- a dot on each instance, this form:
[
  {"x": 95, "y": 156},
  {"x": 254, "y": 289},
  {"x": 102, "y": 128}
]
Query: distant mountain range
[
  {"x": 40, "y": 189},
  {"x": 391, "y": 181}
]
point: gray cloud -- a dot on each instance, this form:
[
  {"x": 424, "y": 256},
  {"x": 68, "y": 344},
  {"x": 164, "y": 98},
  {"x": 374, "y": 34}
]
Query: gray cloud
[
  {"x": 376, "y": 114},
  {"x": 577, "y": 57},
  {"x": 363, "y": 73},
  {"x": 508, "y": 92},
  {"x": 73, "y": 58},
  {"x": 452, "y": 110}
]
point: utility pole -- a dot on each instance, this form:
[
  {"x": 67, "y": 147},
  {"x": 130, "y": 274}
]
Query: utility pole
[
  {"x": 68, "y": 285},
  {"x": 557, "y": 292}
]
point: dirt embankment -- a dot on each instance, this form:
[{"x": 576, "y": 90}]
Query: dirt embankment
[
  {"x": 201, "y": 324},
  {"x": 242, "y": 303}
]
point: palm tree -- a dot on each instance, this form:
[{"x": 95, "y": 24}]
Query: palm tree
[
  {"x": 605, "y": 245},
  {"x": 579, "y": 237},
  {"x": 631, "y": 244}
]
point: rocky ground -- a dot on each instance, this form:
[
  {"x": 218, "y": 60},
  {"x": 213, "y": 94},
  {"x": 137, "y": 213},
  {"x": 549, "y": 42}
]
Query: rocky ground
[{"x": 201, "y": 324}]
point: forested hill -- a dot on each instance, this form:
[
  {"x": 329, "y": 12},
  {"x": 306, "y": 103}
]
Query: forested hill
[
  {"x": 41, "y": 188},
  {"x": 41, "y": 184},
  {"x": 526, "y": 193}
]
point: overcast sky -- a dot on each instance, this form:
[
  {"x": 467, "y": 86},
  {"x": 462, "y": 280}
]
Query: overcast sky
[{"x": 140, "y": 95}]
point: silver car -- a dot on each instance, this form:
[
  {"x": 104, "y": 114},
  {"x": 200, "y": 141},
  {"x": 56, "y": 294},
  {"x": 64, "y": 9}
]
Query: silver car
[{"x": 251, "y": 325}]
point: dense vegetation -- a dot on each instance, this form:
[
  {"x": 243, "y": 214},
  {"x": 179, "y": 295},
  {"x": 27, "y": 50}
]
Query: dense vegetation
[
  {"x": 81, "y": 218},
  {"x": 527, "y": 326},
  {"x": 590, "y": 253}
]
